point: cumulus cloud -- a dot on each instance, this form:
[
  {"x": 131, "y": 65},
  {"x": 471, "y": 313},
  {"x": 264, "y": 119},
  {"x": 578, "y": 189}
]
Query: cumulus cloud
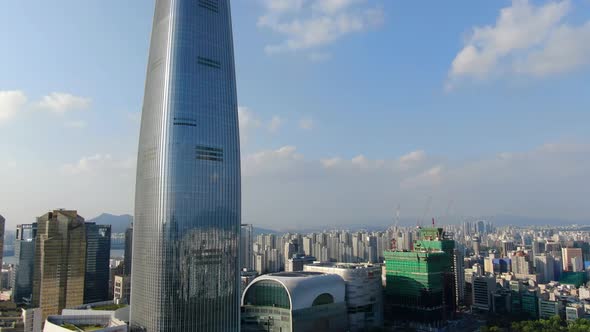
[
  {"x": 312, "y": 24},
  {"x": 525, "y": 39},
  {"x": 11, "y": 102},
  {"x": 412, "y": 158},
  {"x": 60, "y": 103},
  {"x": 548, "y": 181},
  {"x": 272, "y": 161}
]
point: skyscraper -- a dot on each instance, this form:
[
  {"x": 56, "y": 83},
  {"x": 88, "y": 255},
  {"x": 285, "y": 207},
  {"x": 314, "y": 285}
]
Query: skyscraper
[
  {"x": 98, "y": 253},
  {"x": 2, "y": 224},
  {"x": 60, "y": 262},
  {"x": 24, "y": 250},
  {"x": 128, "y": 249},
  {"x": 185, "y": 272}
]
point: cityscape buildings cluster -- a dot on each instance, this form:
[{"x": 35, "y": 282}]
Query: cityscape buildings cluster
[{"x": 190, "y": 265}]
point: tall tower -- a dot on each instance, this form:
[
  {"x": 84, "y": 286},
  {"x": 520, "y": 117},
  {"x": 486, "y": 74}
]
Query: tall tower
[
  {"x": 60, "y": 262},
  {"x": 2, "y": 224},
  {"x": 98, "y": 254},
  {"x": 185, "y": 272},
  {"x": 24, "y": 250}
]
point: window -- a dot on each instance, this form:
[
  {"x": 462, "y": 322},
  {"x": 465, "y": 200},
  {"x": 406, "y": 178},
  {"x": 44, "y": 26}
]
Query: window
[
  {"x": 212, "y": 5},
  {"x": 208, "y": 62},
  {"x": 323, "y": 299},
  {"x": 185, "y": 122},
  {"x": 268, "y": 293},
  {"x": 209, "y": 153}
]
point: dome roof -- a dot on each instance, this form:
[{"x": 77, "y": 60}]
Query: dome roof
[{"x": 304, "y": 288}]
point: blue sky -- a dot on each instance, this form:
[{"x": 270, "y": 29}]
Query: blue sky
[{"x": 347, "y": 107}]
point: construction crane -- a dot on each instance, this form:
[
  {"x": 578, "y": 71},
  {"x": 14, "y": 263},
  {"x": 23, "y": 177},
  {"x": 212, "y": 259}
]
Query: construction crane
[{"x": 426, "y": 210}]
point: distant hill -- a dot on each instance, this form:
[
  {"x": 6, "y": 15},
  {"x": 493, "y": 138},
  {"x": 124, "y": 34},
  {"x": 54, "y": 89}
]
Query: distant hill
[{"x": 118, "y": 223}]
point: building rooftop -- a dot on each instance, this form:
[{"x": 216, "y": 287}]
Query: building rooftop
[{"x": 303, "y": 287}]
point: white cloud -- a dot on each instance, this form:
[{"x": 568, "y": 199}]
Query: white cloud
[
  {"x": 412, "y": 158},
  {"x": 11, "y": 102},
  {"x": 315, "y": 23},
  {"x": 548, "y": 181},
  {"x": 60, "y": 103},
  {"x": 97, "y": 163},
  {"x": 526, "y": 39},
  {"x": 271, "y": 160},
  {"x": 275, "y": 124},
  {"x": 567, "y": 48},
  {"x": 306, "y": 123},
  {"x": 430, "y": 177},
  {"x": 331, "y": 162},
  {"x": 78, "y": 124}
]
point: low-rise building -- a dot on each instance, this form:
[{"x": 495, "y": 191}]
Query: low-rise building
[
  {"x": 294, "y": 301},
  {"x": 364, "y": 293}
]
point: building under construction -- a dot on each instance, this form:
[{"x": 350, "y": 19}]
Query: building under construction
[{"x": 420, "y": 284}]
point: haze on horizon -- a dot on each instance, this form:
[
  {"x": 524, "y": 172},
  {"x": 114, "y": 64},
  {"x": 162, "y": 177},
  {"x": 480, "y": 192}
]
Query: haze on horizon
[{"x": 347, "y": 108}]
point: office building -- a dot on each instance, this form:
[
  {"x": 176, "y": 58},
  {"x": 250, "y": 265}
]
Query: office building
[
  {"x": 476, "y": 245},
  {"x": 364, "y": 292},
  {"x": 13, "y": 318},
  {"x": 98, "y": 253},
  {"x": 544, "y": 267},
  {"x": 548, "y": 308},
  {"x": 60, "y": 245},
  {"x": 186, "y": 271},
  {"x": 246, "y": 242},
  {"x": 297, "y": 262},
  {"x": 574, "y": 312},
  {"x": 24, "y": 250},
  {"x": 2, "y": 225},
  {"x": 122, "y": 289},
  {"x": 521, "y": 264},
  {"x": 483, "y": 290},
  {"x": 293, "y": 302},
  {"x": 569, "y": 254},
  {"x": 127, "y": 260}
]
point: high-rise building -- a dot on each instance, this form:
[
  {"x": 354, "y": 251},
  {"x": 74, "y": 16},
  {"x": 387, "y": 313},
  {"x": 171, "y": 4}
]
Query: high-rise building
[
  {"x": 521, "y": 264},
  {"x": 98, "y": 253},
  {"x": 483, "y": 288},
  {"x": 2, "y": 225},
  {"x": 185, "y": 273},
  {"x": 568, "y": 254},
  {"x": 544, "y": 267},
  {"x": 127, "y": 260},
  {"x": 60, "y": 261},
  {"x": 24, "y": 251},
  {"x": 420, "y": 284},
  {"x": 246, "y": 254}
]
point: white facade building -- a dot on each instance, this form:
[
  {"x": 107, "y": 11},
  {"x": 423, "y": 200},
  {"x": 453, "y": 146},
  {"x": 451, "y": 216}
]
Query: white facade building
[{"x": 364, "y": 292}]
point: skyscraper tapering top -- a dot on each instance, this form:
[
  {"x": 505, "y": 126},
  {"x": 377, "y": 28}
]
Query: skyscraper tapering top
[{"x": 185, "y": 271}]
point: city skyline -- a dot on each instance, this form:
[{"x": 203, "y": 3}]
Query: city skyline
[{"x": 378, "y": 111}]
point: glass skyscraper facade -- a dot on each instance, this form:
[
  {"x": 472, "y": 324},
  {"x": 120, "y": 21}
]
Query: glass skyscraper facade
[
  {"x": 185, "y": 270},
  {"x": 98, "y": 253},
  {"x": 24, "y": 250}
]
